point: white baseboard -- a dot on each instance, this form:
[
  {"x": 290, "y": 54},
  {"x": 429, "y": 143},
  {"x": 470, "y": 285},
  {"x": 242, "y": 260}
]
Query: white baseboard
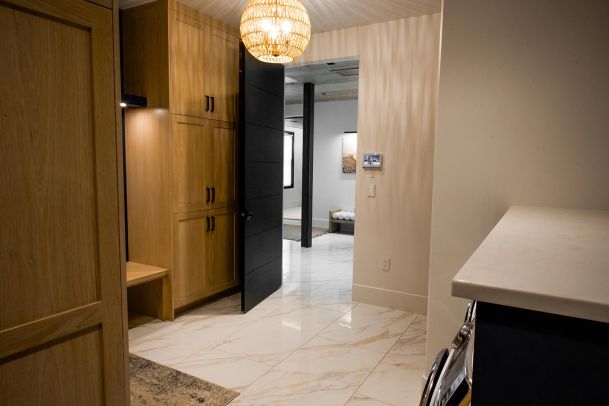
[{"x": 393, "y": 299}]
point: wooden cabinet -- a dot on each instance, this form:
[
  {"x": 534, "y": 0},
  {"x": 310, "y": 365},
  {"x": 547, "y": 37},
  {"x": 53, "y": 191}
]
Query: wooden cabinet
[
  {"x": 197, "y": 66},
  {"x": 62, "y": 338},
  {"x": 204, "y": 254},
  {"x": 180, "y": 153},
  {"x": 203, "y": 163},
  {"x": 221, "y": 271},
  {"x": 191, "y": 235}
]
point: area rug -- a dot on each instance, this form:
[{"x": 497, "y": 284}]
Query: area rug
[
  {"x": 154, "y": 384},
  {"x": 291, "y": 232}
]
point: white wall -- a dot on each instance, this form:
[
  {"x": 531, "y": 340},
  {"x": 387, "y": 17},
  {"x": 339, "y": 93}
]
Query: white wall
[
  {"x": 398, "y": 83},
  {"x": 523, "y": 118},
  {"x": 331, "y": 187}
]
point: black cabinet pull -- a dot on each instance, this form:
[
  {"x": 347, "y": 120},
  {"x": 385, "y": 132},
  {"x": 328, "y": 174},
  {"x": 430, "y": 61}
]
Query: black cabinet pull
[
  {"x": 207, "y": 103},
  {"x": 207, "y": 199},
  {"x": 213, "y": 104},
  {"x": 213, "y": 194},
  {"x": 208, "y": 229},
  {"x": 213, "y": 223}
]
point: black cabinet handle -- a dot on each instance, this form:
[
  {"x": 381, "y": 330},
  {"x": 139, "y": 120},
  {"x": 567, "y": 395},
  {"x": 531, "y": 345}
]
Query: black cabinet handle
[
  {"x": 207, "y": 199},
  {"x": 213, "y": 194},
  {"x": 208, "y": 229},
  {"x": 213, "y": 223},
  {"x": 213, "y": 104},
  {"x": 207, "y": 103}
]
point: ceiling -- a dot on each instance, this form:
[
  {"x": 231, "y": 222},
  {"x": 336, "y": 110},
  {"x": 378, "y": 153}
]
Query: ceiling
[
  {"x": 326, "y": 15},
  {"x": 333, "y": 81}
]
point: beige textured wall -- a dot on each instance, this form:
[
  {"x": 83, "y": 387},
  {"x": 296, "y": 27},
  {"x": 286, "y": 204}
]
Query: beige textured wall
[
  {"x": 396, "y": 116},
  {"x": 523, "y": 119}
]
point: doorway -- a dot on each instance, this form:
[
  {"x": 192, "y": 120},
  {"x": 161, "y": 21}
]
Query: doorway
[{"x": 334, "y": 148}]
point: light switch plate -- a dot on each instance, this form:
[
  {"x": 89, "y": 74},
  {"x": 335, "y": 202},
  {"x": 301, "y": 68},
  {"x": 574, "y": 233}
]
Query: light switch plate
[
  {"x": 385, "y": 264},
  {"x": 371, "y": 190}
]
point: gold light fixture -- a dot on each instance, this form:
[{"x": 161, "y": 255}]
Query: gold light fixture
[{"x": 275, "y": 31}]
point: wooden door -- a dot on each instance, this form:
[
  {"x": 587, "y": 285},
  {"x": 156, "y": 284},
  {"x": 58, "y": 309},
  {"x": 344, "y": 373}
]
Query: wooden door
[
  {"x": 62, "y": 321},
  {"x": 260, "y": 179},
  {"x": 221, "y": 160},
  {"x": 221, "y": 272},
  {"x": 191, "y": 234},
  {"x": 188, "y": 66},
  {"x": 222, "y": 76},
  {"x": 192, "y": 182}
]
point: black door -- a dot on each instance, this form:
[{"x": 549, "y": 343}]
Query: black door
[{"x": 261, "y": 178}]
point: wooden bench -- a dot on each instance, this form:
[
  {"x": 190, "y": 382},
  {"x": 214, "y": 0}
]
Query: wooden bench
[
  {"x": 336, "y": 224},
  {"x": 149, "y": 291}
]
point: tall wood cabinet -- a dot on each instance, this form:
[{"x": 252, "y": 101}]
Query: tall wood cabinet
[
  {"x": 62, "y": 330},
  {"x": 180, "y": 151}
]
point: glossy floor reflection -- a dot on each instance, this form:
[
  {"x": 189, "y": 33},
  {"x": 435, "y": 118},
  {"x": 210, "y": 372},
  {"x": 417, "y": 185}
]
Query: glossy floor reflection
[{"x": 307, "y": 344}]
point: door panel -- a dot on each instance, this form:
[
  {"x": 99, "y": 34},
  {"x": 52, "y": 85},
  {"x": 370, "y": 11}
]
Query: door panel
[
  {"x": 62, "y": 337},
  {"x": 261, "y": 179},
  {"x": 190, "y": 239},
  {"x": 221, "y": 249},
  {"x": 221, "y": 163},
  {"x": 188, "y": 66},
  {"x": 191, "y": 145},
  {"x": 223, "y": 76}
]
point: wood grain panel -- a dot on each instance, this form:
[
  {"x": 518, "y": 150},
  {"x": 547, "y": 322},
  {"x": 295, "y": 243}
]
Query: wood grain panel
[
  {"x": 221, "y": 161},
  {"x": 191, "y": 144},
  {"x": 49, "y": 198},
  {"x": 222, "y": 77},
  {"x": 38, "y": 332},
  {"x": 148, "y": 157},
  {"x": 60, "y": 212},
  {"x": 190, "y": 257},
  {"x": 221, "y": 272},
  {"x": 145, "y": 53},
  {"x": 189, "y": 66},
  {"x": 67, "y": 372}
]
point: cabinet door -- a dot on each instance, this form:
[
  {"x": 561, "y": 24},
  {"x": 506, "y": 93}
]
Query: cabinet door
[
  {"x": 187, "y": 66},
  {"x": 222, "y": 76},
  {"x": 191, "y": 143},
  {"x": 62, "y": 282},
  {"x": 221, "y": 272},
  {"x": 190, "y": 239},
  {"x": 222, "y": 164}
]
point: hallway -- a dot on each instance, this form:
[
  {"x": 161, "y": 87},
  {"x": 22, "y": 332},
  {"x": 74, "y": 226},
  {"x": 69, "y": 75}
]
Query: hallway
[{"x": 306, "y": 344}]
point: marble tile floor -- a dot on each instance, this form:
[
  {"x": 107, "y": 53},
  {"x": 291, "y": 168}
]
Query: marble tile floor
[{"x": 307, "y": 344}]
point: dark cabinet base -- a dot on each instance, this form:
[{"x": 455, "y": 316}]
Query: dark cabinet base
[{"x": 524, "y": 357}]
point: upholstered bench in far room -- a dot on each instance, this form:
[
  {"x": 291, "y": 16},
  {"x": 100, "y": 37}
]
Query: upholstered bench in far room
[{"x": 338, "y": 217}]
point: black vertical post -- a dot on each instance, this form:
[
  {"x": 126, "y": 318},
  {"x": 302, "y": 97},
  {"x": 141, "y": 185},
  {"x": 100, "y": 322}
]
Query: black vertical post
[{"x": 308, "y": 109}]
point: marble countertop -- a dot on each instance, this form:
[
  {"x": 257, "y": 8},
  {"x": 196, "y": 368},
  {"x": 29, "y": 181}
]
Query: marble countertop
[{"x": 549, "y": 260}]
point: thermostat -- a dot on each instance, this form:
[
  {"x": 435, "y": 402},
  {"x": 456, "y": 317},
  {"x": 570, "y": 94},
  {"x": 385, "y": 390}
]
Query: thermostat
[{"x": 372, "y": 160}]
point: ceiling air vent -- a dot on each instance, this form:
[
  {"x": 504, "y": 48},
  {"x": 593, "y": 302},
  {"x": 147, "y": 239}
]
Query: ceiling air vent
[{"x": 347, "y": 72}]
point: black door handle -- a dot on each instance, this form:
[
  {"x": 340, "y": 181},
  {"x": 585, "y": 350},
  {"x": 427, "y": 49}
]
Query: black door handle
[
  {"x": 208, "y": 197},
  {"x": 213, "y": 194},
  {"x": 206, "y": 103},
  {"x": 213, "y": 104},
  {"x": 247, "y": 215},
  {"x": 213, "y": 223},
  {"x": 208, "y": 224}
]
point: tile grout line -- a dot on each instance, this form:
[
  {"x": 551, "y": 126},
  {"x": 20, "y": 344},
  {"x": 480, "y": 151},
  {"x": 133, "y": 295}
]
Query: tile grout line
[
  {"x": 290, "y": 354},
  {"x": 377, "y": 365}
]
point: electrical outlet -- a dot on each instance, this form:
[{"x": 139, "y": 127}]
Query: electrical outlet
[
  {"x": 385, "y": 264},
  {"x": 371, "y": 190}
]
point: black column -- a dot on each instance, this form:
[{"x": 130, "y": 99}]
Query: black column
[{"x": 308, "y": 110}]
